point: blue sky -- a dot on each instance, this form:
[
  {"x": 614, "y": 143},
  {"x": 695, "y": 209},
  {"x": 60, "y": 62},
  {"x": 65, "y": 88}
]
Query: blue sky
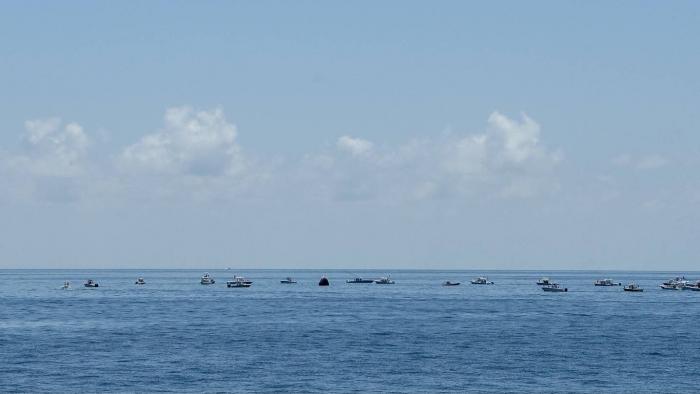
[{"x": 350, "y": 134}]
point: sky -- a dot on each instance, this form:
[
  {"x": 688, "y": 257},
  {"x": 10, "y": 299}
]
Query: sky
[{"x": 364, "y": 134}]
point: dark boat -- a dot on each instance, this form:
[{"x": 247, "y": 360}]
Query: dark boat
[
  {"x": 91, "y": 283},
  {"x": 633, "y": 287},
  {"x": 360, "y": 280},
  {"x": 323, "y": 281},
  {"x": 448, "y": 283}
]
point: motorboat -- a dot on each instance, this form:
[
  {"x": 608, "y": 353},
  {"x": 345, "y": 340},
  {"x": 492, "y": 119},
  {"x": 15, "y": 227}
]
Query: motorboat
[
  {"x": 385, "y": 280},
  {"x": 448, "y": 283},
  {"x": 676, "y": 282},
  {"x": 288, "y": 280},
  {"x": 554, "y": 288},
  {"x": 140, "y": 281},
  {"x": 207, "y": 279},
  {"x": 633, "y": 287},
  {"x": 606, "y": 282},
  {"x": 66, "y": 286},
  {"x": 243, "y": 279},
  {"x": 482, "y": 280},
  {"x": 544, "y": 281},
  {"x": 239, "y": 281},
  {"x": 323, "y": 281},
  {"x": 665, "y": 286},
  {"x": 91, "y": 283},
  {"x": 359, "y": 280},
  {"x": 694, "y": 287}
]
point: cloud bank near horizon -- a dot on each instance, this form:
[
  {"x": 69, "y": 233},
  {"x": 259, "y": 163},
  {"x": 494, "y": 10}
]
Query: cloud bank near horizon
[{"x": 196, "y": 154}]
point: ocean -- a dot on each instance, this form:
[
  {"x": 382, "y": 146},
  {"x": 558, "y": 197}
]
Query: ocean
[{"x": 174, "y": 334}]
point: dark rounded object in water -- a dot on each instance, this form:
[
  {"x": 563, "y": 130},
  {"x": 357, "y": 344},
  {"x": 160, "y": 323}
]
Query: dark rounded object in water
[
  {"x": 323, "y": 282},
  {"x": 565, "y": 289}
]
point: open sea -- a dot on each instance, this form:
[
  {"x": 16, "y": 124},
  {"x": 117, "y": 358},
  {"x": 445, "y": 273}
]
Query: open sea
[{"x": 174, "y": 334}]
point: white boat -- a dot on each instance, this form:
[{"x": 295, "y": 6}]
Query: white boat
[
  {"x": 91, "y": 283},
  {"x": 482, "y": 280},
  {"x": 554, "y": 288},
  {"x": 288, "y": 280},
  {"x": 544, "y": 281},
  {"x": 385, "y": 280},
  {"x": 665, "y": 286},
  {"x": 693, "y": 287},
  {"x": 207, "y": 279},
  {"x": 66, "y": 286},
  {"x": 633, "y": 287},
  {"x": 140, "y": 281},
  {"x": 239, "y": 281},
  {"x": 606, "y": 282},
  {"x": 448, "y": 283}
]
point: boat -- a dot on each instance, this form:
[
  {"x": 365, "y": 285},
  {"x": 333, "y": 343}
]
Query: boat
[
  {"x": 544, "y": 281},
  {"x": 482, "y": 280},
  {"x": 288, "y": 280},
  {"x": 91, "y": 283},
  {"x": 554, "y": 288},
  {"x": 243, "y": 279},
  {"x": 324, "y": 281},
  {"x": 695, "y": 287},
  {"x": 239, "y": 281},
  {"x": 665, "y": 286},
  {"x": 448, "y": 283},
  {"x": 385, "y": 280},
  {"x": 359, "y": 280},
  {"x": 140, "y": 281},
  {"x": 633, "y": 287},
  {"x": 207, "y": 279},
  {"x": 66, "y": 286},
  {"x": 606, "y": 282}
]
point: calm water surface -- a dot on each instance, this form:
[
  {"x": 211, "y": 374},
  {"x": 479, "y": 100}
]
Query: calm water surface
[{"x": 174, "y": 334}]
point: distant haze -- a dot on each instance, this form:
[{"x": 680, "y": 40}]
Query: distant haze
[{"x": 514, "y": 135}]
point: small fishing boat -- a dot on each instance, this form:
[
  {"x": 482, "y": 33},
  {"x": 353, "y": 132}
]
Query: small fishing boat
[
  {"x": 385, "y": 280},
  {"x": 288, "y": 280},
  {"x": 448, "y": 283},
  {"x": 324, "y": 281},
  {"x": 239, "y": 281},
  {"x": 140, "y": 281},
  {"x": 243, "y": 279},
  {"x": 359, "y": 280},
  {"x": 207, "y": 279},
  {"x": 66, "y": 286},
  {"x": 555, "y": 288},
  {"x": 606, "y": 282},
  {"x": 544, "y": 281},
  {"x": 633, "y": 287},
  {"x": 482, "y": 280},
  {"x": 91, "y": 283}
]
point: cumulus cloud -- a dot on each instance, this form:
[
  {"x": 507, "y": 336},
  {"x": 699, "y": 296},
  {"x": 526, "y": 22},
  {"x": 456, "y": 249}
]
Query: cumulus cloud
[
  {"x": 50, "y": 164},
  {"x": 196, "y": 155},
  {"x": 52, "y": 149},
  {"x": 354, "y": 146},
  {"x": 192, "y": 142},
  {"x": 508, "y": 159}
]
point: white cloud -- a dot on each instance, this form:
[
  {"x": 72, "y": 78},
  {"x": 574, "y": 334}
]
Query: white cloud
[
  {"x": 507, "y": 160},
  {"x": 50, "y": 149},
  {"x": 354, "y": 146},
  {"x": 192, "y": 142}
]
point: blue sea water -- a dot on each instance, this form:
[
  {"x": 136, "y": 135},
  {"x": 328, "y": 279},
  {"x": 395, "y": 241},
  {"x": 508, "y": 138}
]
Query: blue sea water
[{"x": 174, "y": 334}]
